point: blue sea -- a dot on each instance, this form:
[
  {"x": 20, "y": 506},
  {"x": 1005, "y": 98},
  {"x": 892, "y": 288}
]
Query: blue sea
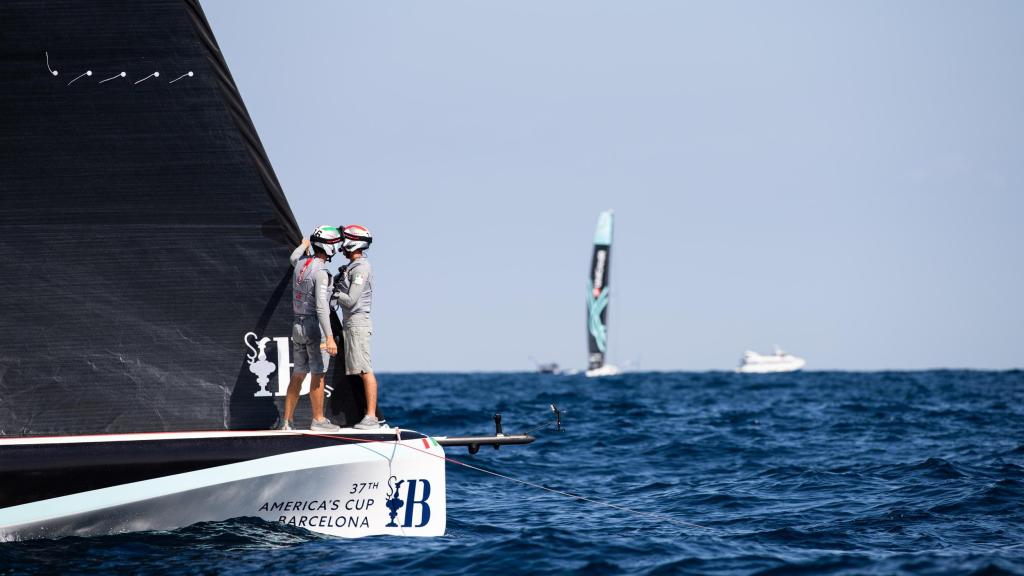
[{"x": 710, "y": 473}]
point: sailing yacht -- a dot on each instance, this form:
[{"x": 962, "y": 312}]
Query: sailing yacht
[
  {"x": 146, "y": 309},
  {"x": 754, "y": 363},
  {"x": 598, "y": 293}
]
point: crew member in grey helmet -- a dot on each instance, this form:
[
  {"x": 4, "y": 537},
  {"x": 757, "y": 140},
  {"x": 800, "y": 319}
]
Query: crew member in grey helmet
[
  {"x": 353, "y": 291},
  {"x": 312, "y": 341}
]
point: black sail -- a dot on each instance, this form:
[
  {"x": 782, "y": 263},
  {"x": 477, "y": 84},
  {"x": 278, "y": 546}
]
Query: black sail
[
  {"x": 598, "y": 292},
  {"x": 143, "y": 233}
]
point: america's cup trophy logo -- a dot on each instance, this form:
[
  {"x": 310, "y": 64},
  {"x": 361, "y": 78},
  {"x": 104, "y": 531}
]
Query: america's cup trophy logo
[
  {"x": 419, "y": 487},
  {"x": 258, "y": 363},
  {"x": 393, "y": 502}
]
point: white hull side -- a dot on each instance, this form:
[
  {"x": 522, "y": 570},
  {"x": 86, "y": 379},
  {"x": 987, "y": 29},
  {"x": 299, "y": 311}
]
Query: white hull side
[
  {"x": 339, "y": 490},
  {"x": 606, "y": 370},
  {"x": 772, "y": 367}
]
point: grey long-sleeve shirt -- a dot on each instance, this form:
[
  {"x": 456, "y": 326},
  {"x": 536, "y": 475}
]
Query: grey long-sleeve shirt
[
  {"x": 353, "y": 292},
  {"x": 315, "y": 271}
]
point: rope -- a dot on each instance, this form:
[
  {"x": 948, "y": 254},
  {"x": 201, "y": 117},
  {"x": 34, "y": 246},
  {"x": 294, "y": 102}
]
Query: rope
[
  {"x": 532, "y": 430},
  {"x": 576, "y": 496},
  {"x": 654, "y": 515},
  {"x": 556, "y": 422}
]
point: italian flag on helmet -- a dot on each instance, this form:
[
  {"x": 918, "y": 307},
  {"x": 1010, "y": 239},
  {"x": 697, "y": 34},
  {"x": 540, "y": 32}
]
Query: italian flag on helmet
[
  {"x": 356, "y": 238},
  {"x": 327, "y": 239}
]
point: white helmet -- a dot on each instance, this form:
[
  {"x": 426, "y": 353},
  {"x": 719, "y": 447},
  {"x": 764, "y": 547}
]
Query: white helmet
[
  {"x": 356, "y": 238},
  {"x": 327, "y": 239}
]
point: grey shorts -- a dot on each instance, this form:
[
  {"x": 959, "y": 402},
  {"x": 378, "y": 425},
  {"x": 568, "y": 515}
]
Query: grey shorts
[
  {"x": 309, "y": 353},
  {"x": 357, "y": 349}
]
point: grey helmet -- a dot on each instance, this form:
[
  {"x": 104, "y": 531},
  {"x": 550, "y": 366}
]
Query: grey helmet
[
  {"x": 356, "y": 238},
  {"x": 327, "y": 239}
]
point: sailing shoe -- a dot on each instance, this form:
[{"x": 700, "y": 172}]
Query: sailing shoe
[
  {"x": 283, "y": 424},
  {"x": 324, "y": 425},
  {"x": 370, "y": 423}
]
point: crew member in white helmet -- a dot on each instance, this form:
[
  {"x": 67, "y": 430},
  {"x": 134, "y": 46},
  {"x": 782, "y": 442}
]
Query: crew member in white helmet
[
  {"x": 312, "y": 341},
  {"x": 353, "y": 291}
]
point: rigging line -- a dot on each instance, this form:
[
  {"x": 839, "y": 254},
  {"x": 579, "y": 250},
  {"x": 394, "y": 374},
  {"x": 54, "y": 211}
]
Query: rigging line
[
  {"x": 532, "y": 430},
  {"x": 394, "y": 447},
  {"x": 360, "y": 443},
  {"x": 654, "y": 515},
  {"x": 662, "y": 517},
  {"x": 546, "y": 424}
]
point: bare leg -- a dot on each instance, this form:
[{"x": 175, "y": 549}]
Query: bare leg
[
  {"x": 370, "y": 386},
  {"x": 292, "y": 399},
  {"x": 316, "y": 395}
]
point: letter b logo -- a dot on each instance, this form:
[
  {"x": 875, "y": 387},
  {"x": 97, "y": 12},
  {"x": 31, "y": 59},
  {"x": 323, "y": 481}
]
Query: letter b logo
[{"x": 411, "y": 502}]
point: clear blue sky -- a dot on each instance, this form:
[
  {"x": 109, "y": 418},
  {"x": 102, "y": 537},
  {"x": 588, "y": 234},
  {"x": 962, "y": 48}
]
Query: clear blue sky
[{"x": 841, "y": 178}]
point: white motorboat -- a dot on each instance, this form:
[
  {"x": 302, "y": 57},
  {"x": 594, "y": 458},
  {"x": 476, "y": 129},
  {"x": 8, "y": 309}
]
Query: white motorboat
[{"x": 754, "y": 363}]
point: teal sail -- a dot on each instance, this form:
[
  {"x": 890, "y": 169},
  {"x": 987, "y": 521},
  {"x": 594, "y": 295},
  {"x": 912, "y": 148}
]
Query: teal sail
[{"x": 598, "y": 292}]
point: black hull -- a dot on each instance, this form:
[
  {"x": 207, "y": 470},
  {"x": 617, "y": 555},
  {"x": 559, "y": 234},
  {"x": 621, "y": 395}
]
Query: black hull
[{"x": 40, "y": 471}]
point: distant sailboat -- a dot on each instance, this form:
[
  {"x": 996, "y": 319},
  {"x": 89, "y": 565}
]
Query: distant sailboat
[{"x": 597, "y": 299}]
